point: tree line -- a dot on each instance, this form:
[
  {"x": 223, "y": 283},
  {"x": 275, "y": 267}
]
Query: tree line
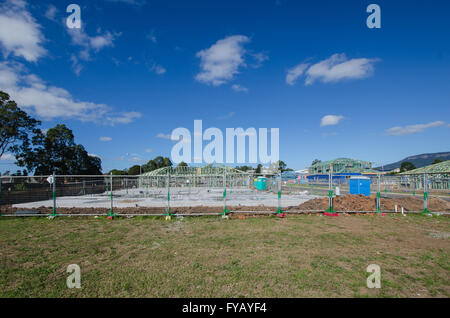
[
  {"x": 160, "y": 162},
  {"x": 42, "y": 152}
]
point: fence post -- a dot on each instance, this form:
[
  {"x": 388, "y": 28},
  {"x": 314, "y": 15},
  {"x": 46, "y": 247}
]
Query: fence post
[
  {"x": 54, "y": 194},
  {"x": 425, "y": 194},
  {"x": 279, "y": 194},
  {"x": 168, "y": 217},
  {"x": 330, "y": 190},
  {"x": 224, "y": 195},
  {"x": 378, "y": 194},
  {"x": 110, "y": 214}
]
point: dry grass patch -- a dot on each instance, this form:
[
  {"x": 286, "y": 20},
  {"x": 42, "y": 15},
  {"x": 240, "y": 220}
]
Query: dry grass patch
[{"x": 299, "y": 256}]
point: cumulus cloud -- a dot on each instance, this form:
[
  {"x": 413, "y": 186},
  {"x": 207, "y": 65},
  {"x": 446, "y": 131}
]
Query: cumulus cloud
[
  {"x": 334, "y": 69},
  {"x": 295, "y": 72},
  {"x": 220, "y": 62},
  {"x": 49, "y": 102},
  {"x": 20, "y": 35},
  {"x": 239, "y": 88},
  {"x": 338, "y": 67},
  {"x": 329, "y": 120},
  {"x": 105, "y": 138},
  {"x": 89, "y": 44},
  {"x": 413, "y": 129},
  {"x": 92, "y": 43}
]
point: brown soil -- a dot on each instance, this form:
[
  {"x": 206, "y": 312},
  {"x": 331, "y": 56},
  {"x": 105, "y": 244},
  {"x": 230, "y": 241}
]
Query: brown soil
[
  {"x": 351, "y": 202},
  {"x": 341, "y": 203}
]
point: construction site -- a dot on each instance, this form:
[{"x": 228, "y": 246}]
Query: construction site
[
  {"x": 347, "y": 186},
  {"x": 216, "y": 231}
]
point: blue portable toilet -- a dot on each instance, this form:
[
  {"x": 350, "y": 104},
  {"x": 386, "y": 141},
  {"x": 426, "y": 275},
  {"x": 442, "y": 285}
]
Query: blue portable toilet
[
  {"x": 261, "y": 183},
  {"x": 359, "y": 185}
]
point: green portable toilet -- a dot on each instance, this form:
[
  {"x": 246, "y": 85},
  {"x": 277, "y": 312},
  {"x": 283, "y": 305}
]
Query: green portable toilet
[{"x": 261, "y": 183}]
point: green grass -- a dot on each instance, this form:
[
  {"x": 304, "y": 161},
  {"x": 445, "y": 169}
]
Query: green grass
[{"x": 300, "y": 256}]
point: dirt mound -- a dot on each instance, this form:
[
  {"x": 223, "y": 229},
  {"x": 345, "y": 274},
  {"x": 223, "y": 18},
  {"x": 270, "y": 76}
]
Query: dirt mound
[
  {"x": 341, "y": 203},
  {"x": 351, "y": 202},
  {"x": 416, "y": 204}
]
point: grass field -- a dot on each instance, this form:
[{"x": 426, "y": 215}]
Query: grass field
[{"x": 299, "y": 256}]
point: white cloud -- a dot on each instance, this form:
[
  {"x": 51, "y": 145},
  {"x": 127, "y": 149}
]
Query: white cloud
[
  {"x": 8, "y": 157},
  {"x": 334, "y": 69},
  {"x": 239, "y": 88},
  {"x": 51, "y": 12},
  {"x": 164, "y": 136},
  {"x": 158, "y": 69},
  {"x": 122, "y": 118},
  {"x": 338, "y": 67},
  {"x": 94, "y": 155},
  {"x": 148, "y": 150},
  {"x": 220, "y": 62},
  {"x": 295, "y": 72},
  {"x": 92, "y": 43},
  {"x": 259, "y": 59},
  {"x": 227, "y": 116},
  {"x": 76, "y": 66},
  {"x": 329, "y": 120},
  {"x": 105, "y": 138},
  {"x": 413, "y": 129},
  {"x": 20, "y": 35},
  {"x": 49, "y": 102},
  {"x": 89, "y": 44}
]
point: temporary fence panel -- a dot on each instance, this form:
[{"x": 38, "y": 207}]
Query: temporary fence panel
[{"x": 217, "y": 194}]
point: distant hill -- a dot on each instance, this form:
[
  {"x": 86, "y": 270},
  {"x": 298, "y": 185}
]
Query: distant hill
[{"x": 419, "y": 160}]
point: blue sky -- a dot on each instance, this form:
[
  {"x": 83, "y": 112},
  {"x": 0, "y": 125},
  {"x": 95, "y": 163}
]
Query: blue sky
[{"x": 140, "y": 68}]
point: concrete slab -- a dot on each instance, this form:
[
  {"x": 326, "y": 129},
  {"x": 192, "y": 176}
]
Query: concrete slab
[{"x": 179, "y": 197}]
